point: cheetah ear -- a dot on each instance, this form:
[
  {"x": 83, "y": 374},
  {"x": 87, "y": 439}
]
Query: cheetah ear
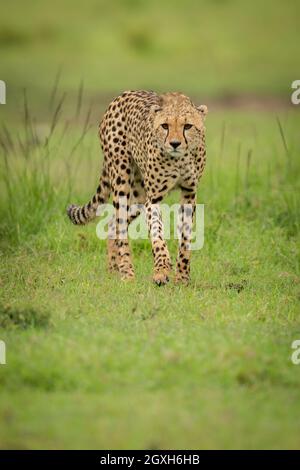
[
  {"x": 203, "y": 110},
  {"x": 155, "y": 108}
]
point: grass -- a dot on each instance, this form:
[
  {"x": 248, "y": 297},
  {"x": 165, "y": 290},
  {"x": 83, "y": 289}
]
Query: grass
[{"x": 95, "y": 363}]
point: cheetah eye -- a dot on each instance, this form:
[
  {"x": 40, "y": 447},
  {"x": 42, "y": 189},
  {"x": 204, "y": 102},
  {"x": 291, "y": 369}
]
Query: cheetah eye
[
  {"x": 165, "y": 126},
  {"x": 187, "y": 126}
]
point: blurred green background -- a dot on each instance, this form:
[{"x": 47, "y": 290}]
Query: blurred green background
[{"x": 206, "y": 48}]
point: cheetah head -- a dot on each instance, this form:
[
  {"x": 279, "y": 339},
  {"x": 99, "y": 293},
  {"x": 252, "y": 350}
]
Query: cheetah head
[{"x": 178, "y": 124}]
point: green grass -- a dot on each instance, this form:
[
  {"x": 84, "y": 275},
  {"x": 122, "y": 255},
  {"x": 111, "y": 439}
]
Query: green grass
[{"x": 96, "y": 363}]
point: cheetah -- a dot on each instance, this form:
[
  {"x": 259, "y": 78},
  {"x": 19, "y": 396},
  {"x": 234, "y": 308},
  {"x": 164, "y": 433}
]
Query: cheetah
[{"x": 151, "y": 144}]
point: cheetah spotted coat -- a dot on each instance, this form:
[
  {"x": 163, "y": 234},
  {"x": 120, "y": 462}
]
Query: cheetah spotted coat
[{"x": 151, "y": 144}]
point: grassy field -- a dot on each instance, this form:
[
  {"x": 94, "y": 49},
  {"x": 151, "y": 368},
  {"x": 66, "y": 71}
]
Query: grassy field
[
  {"x": 96, "y": 363},
  {"x": 93, "y": 362}
]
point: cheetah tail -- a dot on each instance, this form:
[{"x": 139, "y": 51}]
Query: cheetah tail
[{"x": 81, "y": 215}]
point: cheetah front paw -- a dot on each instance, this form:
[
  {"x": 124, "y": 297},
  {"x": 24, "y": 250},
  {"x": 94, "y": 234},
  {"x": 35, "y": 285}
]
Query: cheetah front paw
[{"x": 161, "y": 278}]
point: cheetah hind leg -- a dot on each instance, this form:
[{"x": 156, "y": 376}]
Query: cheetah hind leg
[
  {"x": 137, "y": 199},
  {"x": 112, "y": 248},
  {"x": 112, "y": 251}
]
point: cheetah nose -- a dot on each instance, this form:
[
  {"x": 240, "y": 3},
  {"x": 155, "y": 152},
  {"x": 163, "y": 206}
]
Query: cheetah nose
[{"x": 175, "y": 144}]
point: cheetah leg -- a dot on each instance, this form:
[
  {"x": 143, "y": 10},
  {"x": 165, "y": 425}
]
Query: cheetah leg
[
  {"x": 125, "y": 265},
  {"x": 112, "y": 248},
  {"x": 162, "y": 261},
  {"x": 185, "y": 224},
  {"x": 120, "y": 201},
  {"x": 137, "y": 198}
]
